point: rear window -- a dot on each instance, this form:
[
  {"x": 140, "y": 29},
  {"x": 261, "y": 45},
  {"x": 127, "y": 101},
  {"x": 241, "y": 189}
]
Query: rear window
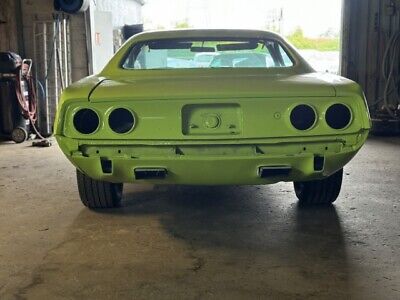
[{"x": 205, "y": 53}]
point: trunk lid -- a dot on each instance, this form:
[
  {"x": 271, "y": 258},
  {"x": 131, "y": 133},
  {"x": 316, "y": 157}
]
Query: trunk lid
[{"x": 214, "y": 87}]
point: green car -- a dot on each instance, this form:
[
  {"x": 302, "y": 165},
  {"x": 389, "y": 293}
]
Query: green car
[{"x": 260, "y": 116}]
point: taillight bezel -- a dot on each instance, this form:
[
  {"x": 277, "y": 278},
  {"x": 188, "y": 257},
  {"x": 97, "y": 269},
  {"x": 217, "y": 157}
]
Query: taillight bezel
[
  {"x": 348, "y": 123},
  {"x": 82, "y": 131},
  {"x": 131, "y": 113},
  {"x": 311, "y": 125}
]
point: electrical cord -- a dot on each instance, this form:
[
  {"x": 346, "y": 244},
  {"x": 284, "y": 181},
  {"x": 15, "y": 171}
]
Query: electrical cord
[
  {"x": 40, "y": 85},
  {"x": 391, "y": 73}
]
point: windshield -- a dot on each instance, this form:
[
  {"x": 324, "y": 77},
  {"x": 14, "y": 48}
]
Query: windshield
[{"x": 219, "y": 53}]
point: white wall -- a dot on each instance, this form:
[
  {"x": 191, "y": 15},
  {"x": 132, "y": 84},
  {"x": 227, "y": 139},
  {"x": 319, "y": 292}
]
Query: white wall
[
  {"x": 106, "y": 17},
  {"x": 124, "y": 12}
]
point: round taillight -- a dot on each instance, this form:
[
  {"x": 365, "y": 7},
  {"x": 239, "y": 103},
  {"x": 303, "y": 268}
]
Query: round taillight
[
  {"x": 303, "y": 117},
  {"x": 121, "y": 120},
  {"x": 86, "y": 121},
  {"x": 338, "y": 116}
]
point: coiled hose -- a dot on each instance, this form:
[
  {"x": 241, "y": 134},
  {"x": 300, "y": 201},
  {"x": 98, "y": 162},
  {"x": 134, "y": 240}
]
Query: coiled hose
[{"x": 28, "y": 108}]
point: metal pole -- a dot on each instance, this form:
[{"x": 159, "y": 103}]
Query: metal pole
[
  {"x": 39, "y": 121},
  {"x": 55, "y": 49},
  {"x": 46, "y": 79},
  {"x": 59, "y": 52},
  {"x": 66, "y": 67}
]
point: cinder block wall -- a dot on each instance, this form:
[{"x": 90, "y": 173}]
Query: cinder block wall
[
  {"x": 42, "y": 10},
  {"x": 123, "y": 11}
]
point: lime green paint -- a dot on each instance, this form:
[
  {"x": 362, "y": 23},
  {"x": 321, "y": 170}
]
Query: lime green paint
[{"x": 211, "y": 126}]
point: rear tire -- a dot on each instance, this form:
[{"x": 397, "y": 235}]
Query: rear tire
[
  {"x": 97, "y": 194},
  {"x": 324, "y": 191}
]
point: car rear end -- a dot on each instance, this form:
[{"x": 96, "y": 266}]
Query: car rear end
[
  {"x": 258, "y": 114},
  {"x": 260, "y": 130}
]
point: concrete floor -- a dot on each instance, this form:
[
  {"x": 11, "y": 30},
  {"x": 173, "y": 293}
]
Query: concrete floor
[{"x": 198, "y": 242}]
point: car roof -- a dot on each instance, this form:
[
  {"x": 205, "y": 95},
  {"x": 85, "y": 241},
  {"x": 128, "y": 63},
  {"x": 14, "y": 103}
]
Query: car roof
[{"x": 205, "y": 33}]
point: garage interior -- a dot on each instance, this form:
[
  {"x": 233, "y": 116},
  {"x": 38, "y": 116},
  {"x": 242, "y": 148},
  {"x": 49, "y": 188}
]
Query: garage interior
[{"x": 185, "y": 242}]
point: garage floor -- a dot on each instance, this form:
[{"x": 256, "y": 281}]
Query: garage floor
[{"x": 198, "y": 242}]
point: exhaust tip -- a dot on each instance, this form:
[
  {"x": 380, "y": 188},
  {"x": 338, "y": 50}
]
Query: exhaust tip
[
  {"x": 274, "y": 171},
  {"x": 150, "y": 173}
]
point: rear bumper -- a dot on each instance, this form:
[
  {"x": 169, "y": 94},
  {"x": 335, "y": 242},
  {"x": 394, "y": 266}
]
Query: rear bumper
[{"x": 243, "y": 163}]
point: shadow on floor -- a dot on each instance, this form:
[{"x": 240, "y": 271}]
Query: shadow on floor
[{"x": 195, "y": 242}]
